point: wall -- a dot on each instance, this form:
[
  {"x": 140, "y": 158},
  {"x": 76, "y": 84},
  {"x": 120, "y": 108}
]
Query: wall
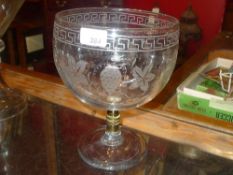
[{"x": 209, "y": 12}]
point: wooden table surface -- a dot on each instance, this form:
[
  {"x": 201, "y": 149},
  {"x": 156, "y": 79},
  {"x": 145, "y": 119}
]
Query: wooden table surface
[{"x": 156, "y": 118}]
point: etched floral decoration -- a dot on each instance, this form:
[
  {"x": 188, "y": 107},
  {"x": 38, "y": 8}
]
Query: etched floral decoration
[{"x": 142, "y": 77}]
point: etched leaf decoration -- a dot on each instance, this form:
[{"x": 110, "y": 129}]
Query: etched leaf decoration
[
  {"x": 80, "y": 68},
  {"x": 142, "y": 78},
  {"x": 71, "y": 62}
]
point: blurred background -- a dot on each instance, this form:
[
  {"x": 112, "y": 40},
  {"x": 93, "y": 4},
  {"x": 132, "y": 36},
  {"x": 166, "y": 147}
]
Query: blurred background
[{"x": 28, "y": 37}]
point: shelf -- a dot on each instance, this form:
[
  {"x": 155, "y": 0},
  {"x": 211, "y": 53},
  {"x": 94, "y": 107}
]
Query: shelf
[{"x": 158, "y": 118}]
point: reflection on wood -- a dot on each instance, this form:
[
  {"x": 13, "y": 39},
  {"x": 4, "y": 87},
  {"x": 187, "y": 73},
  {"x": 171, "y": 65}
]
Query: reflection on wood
[{"x": 48, "y": 120}]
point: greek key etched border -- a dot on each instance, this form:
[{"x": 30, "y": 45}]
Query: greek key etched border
[
  {"x": 119, "y": 43},
  {"x": 118, "y": 17},
  {"x": 108, "y": 17}
]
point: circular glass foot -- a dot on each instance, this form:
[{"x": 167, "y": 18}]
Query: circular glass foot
[{"x": 121, "y": 153}]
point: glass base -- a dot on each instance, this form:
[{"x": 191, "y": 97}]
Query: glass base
[{"x": 112, "y": 151}]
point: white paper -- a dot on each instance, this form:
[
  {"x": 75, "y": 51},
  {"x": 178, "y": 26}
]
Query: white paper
[{"x": 93, "y": 37}]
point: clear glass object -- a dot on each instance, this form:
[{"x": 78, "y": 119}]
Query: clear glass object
[
  {"x": 114, "y": 59},
  {"x": 13, "y": 103}
]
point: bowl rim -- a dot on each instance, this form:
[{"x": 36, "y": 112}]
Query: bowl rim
[{"x": 172, "y": 19}]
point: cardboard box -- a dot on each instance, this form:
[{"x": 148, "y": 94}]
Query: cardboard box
[{"x": 196, "y": 101}]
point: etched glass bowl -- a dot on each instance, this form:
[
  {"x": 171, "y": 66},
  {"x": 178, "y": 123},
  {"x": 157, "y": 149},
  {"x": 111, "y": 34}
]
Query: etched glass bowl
[{"x": 114, "y": 59}]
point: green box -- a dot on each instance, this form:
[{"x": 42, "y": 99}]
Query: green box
[
  {"x": 196, "y": 101},
  {"x": 203, "y": 106}
]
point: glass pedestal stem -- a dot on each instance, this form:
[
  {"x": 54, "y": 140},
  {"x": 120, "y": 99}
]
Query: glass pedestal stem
[
  {"x": 113, "y": 121},
  {"x": 112, "y": 135}
]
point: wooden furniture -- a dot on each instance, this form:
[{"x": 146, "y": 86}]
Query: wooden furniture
[{"x": 29, "y": 18}]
